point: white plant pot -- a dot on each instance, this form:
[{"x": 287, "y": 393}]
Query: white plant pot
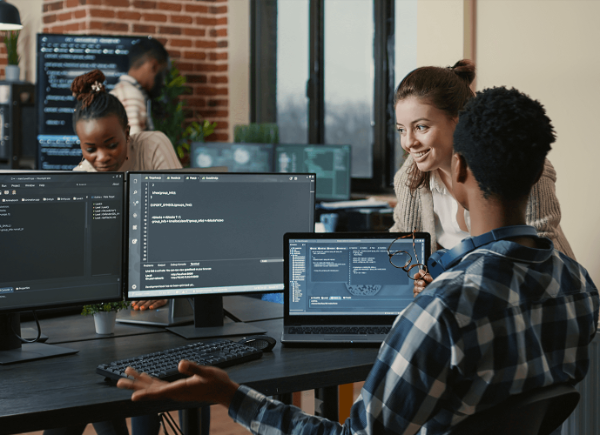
[
  {"x": 105, "y": 322},
  {"x": 12, "y": 73}
]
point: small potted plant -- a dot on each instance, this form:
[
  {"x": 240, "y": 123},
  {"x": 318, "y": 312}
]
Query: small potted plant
[
  {"x": 105, "y": 315},
  {"x": 12, "y": 70}
]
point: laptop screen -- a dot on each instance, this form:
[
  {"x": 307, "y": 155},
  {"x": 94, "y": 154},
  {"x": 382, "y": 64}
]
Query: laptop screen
[{"x": 351, "y": 274}]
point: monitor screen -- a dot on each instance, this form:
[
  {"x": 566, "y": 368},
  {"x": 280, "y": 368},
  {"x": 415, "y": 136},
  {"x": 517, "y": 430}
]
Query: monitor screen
[
  {"x": 194, "y": 234},
  {"x": 237, "y": 157},
  {"x": 61, "y": 58},
  {"x": 331, "y": 164},
  {"x": 62, "y": 239}
]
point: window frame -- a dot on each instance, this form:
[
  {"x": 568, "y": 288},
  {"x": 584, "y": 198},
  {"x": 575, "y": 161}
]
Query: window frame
[{"x": 263, "y": 76}]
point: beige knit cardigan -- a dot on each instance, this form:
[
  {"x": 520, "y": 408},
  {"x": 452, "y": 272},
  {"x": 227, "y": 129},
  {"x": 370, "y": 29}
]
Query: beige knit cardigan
[{"x": 543, "y": 210}]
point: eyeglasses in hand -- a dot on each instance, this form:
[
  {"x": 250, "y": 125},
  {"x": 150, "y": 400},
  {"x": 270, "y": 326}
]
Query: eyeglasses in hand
[{"x": 402, "y": 259}]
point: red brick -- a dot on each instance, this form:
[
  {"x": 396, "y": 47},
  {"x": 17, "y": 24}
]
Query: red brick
[
  {"x": 196, "y": 79},
  {"x": 222, "y": 91},
  {"x": 218, "y": 137},
  {"x": 66, "y": 16},
  {"x": 161, "y": 18},
  {"x": 144, "y": 4},
  {"x": 95, "y": 25},
  {"x": 203, "y": 90},
  {"x": 219, "y": 79},
  {"x": 49, "y": 19},
  {"x": 70, "y": 4},
  {"x": 195, "y": 102},
  {"x": 198, "y": 55},
  {"x": 205, "y": 67},
  {"x": 214, "y": 113},
  {"x": 194, "y": 32},
  {"x": 217, "y": 56},
  {"x": 56, "y": 6},
  {"x": 182, "y": 19},
  {"x": 222, "y": 67},
  {"x": 180, "y": 42},
  {"x": 116, "y": 27},
  {"x": 169, "y": 6},
  {"x": 73, "y": 27},
  {"x": 129, "y": 15},
  {"x": 174, "y": 54},
  {"x": 140, "y": 28},
  {"x": 196, "y": 8},
  {"x": 116, "y": 3},
  {"x": 102, "y": 13},
  {"x": 81, "y": 13},
  {"x": 206, "y": 44},
  {"x": 221, "y": 21},
  {"x": 218, "y": 10},
  {"x": 222, "y": 124},
  {"x": 222, "y": 44},
  {"x": 57, "y": 29},
  {"x": 203, "y": 21},
  {"x": 92, "y": 2},
  {"x": 221, "y": 32},
  {"x": 169, "y": 30},
  {"x": 185, "y": 66}
]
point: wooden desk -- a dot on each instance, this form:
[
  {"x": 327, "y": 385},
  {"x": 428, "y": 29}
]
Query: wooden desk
[{"x": 50, "y": 393}]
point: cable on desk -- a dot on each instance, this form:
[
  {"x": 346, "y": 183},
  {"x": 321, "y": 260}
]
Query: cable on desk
[{"x": 39, "y": 328}]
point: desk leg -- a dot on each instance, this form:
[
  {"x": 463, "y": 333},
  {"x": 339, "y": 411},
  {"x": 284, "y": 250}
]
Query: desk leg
[
  {"x": 326, "y": 402},
  {"x": 195, "y": 421}
]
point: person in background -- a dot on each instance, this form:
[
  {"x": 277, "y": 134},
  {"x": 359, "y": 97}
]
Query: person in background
[
  {"x": 148, "y": 63},
  {"x": 440, "y": 362},
  {"x": 427, "y": 104}
]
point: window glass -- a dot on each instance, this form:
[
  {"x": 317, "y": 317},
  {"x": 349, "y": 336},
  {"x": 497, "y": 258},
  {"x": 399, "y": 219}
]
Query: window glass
[
  {"x": 292, "y": 70},
  {"x": 405, "y": 56},
  {"x": 349, "y": 88}
]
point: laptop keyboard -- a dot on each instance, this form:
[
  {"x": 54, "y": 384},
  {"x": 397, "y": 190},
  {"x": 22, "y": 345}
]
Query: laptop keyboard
[{"x": 373, "y": 330}]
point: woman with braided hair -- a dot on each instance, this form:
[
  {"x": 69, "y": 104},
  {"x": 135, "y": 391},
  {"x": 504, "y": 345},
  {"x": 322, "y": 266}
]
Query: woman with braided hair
[
  {"x": 101, "y": 123},
  {"x": 427, "y": 103}
]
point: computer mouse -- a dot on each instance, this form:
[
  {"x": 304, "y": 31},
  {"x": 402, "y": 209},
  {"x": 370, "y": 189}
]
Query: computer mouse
[{"x": 260, "y": 342}]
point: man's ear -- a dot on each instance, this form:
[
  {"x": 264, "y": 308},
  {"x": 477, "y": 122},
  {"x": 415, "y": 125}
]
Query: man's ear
[{"x": 459, "y": 168}]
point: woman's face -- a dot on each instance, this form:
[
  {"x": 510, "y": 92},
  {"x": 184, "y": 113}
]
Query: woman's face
[
  {"x": 426, "y": 133},
  {"x": 103, "y": 142}
]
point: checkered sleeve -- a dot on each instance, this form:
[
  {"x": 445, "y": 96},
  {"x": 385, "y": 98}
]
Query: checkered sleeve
[{"x": 403, "y": 390}]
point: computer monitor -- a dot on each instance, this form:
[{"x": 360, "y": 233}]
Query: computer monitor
[
  {"x": 61, "y": 58},
  {"x": 209, "y": 235},
  {"x": 331, "y": 164},
  {"x": 238, "y": 157},
  {"x": 62, "y": 244}
]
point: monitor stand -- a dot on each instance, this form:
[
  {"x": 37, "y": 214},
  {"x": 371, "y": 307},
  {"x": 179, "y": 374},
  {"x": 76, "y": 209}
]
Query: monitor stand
[
  {"x": 208, "y": 321},
  {"x": 13, "y": 351}
]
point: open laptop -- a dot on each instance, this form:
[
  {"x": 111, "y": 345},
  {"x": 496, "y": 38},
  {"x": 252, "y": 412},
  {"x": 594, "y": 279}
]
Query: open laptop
[{"x": 342, "y": 288}]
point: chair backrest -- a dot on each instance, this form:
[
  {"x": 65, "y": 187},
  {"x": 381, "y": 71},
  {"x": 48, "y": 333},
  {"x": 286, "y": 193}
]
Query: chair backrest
[{"x": 535, "y": 412}]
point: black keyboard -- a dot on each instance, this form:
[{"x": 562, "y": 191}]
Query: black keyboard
[
  {"x": 163, "y": 364},
  {"x": 339, "y": 329}
]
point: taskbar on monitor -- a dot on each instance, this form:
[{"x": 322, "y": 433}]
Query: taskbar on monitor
[{"x": 205, "y": 290}]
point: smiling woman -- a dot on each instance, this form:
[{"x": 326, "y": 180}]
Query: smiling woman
[
  {"x": 427, "y": 104},
  {"x": 101, "y": 124}
]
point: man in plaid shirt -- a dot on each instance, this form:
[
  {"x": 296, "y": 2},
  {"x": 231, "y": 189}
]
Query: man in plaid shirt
[{"x": 511, "y": 316}]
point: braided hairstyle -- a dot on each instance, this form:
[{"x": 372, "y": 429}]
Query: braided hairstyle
[
  {"x": 448, "y": 89},
  {"x": 93, "y": 102}
]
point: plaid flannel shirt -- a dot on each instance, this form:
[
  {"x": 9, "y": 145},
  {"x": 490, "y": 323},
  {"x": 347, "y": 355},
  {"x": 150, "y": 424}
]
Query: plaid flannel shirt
[{"x": 505, "y": 320}]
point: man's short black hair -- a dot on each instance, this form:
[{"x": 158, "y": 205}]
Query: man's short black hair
[
  {"x": 504, "y": 136},
  {"x": 147, "y": 48}
]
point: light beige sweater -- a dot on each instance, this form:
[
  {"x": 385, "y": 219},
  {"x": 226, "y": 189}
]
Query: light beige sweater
[{"x": 543, "y": 210}]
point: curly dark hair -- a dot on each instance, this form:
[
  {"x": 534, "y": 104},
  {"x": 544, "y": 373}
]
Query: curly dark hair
[
  {"x": 93, "y": 101},
  {"x": 504, "y": 136},
  {"x": 448, "y": 89}
]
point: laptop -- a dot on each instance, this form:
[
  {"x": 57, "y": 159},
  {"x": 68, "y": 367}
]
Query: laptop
[{"x": 342, "y": 288}]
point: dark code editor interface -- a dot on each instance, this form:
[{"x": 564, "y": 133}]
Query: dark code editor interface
[
  {"x": 330, "y": 276},
  {"x": 192, "y": 234},
  {"x": 61, "y": 238}
]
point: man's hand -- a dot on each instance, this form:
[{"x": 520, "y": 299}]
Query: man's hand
[
  {"x": 149, "y": 305},
  {"x": 422, "y": 280},
  {"x": 204, "y": 384}
]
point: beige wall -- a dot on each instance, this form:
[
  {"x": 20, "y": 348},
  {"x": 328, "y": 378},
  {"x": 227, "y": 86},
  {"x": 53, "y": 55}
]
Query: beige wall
[
  {"x": 551, "y": 53},
  {"x": 239, "y": 63},
  {"x": 31, "y": 18},
  {"x": 440, "y": 32}
]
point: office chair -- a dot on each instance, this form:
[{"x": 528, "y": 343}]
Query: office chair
[{"x": 536, "y": 412}]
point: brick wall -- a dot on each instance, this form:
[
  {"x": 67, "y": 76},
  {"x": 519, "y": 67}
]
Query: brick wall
[{"x": 194, "y": 32}]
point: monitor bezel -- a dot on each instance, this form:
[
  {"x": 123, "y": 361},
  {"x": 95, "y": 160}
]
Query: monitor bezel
[
  {"x": 83, "y": 301},
  {"x": 195, "y": 171}
]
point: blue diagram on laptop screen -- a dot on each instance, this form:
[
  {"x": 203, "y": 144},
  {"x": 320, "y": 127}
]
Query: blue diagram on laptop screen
[{"x": 331, "y": 276}]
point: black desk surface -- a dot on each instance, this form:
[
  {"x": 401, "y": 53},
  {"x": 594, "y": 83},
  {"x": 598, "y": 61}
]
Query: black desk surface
[{"x": 49, "y": 393}]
